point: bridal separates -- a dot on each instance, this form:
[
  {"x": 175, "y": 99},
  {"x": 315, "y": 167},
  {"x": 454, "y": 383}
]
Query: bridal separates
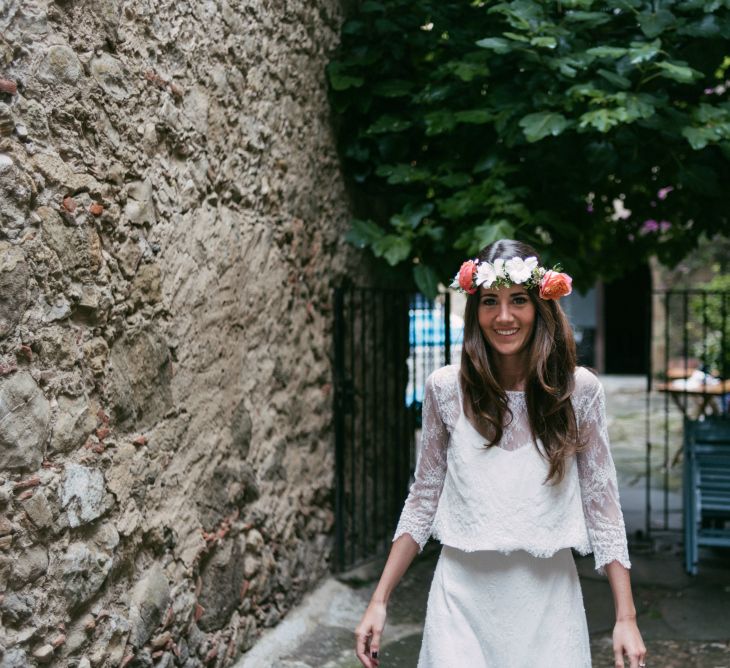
[
  {"x": 505, "y": 592},
  {"x": 491, "y": 610}
]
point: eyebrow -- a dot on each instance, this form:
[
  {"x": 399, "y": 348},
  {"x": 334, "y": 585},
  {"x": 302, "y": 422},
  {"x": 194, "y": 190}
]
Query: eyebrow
[{"x": 511, "y": 294}]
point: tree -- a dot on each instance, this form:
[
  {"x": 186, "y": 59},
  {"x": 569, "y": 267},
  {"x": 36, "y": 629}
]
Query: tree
[{"x": 597, "y": 131}]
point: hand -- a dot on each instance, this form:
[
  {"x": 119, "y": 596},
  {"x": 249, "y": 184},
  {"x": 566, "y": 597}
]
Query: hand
[
  {"x": 627, "y": 640},
  {"x": 368, "y": 634}
]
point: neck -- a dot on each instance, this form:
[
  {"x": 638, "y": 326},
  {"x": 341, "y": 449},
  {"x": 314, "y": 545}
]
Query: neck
[{"x": 511, "y": 370}]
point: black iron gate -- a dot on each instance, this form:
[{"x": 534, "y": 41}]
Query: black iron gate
[
  {"x": 386, "y": 342},
  {"x": 689, "y": 378}
]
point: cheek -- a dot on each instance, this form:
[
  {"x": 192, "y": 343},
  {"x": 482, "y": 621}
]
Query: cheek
[{"x": 483, "y": 318}]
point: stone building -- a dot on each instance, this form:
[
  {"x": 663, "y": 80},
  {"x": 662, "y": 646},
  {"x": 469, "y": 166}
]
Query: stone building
[{"x": 171, "y": 218}]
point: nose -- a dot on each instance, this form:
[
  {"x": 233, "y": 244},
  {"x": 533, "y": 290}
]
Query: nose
[{"x": 505, "y": 314}]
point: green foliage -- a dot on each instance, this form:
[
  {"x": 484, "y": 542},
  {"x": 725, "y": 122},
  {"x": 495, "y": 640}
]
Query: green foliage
[
  {"x": 710, "y": 325},
  {"x": 462, "y": 122}
]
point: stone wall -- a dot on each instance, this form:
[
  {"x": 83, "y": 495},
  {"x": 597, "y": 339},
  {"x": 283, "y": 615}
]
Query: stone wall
[{"x": 171, "y": 217}]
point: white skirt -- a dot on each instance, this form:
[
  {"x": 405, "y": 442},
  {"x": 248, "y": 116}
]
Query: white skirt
[{"x": 492, "y": 610}]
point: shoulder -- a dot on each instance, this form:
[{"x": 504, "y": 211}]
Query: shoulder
[
  {"x": 588, "y": 388},
  {"x": 444, "y": 377},
  {"x": 443, "y": 385},
  {"x": 586, "y": 381}
]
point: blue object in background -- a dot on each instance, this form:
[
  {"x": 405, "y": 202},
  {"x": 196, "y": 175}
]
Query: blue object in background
[{"x": 427, "y": 338}]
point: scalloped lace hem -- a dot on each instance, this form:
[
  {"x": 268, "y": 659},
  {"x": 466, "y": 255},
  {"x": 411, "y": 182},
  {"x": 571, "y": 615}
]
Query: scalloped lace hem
[
  {"x": 541, "y": 552},
  {"x": 601, "y": 565},
  {"x": 417, "y": 539}
]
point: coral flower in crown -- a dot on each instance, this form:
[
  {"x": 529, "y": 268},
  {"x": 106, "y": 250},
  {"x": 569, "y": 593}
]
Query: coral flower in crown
[
  {"x": 555, "y": 285},
  {"x": 466, "y": 276}
]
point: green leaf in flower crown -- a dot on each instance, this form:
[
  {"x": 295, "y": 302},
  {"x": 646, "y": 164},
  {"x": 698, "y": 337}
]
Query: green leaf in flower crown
[
  {"x": 543, "y": 124},
  {"x": 426, "y": 279},
  {"x": 393, "y": 248},
  {"x": 363, "y": 233}
]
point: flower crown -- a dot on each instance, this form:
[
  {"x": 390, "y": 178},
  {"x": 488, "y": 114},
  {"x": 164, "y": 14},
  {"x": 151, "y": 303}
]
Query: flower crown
[{"x": 552, "y": 283}]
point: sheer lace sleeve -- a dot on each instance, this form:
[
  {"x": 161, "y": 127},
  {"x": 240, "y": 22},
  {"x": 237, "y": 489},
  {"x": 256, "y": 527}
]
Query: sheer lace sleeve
[
  {"x": 598, "y": 483},
  {"x": 419, "y": 509}
]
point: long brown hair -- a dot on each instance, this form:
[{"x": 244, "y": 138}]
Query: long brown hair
[{"x": 550, "y": 377}]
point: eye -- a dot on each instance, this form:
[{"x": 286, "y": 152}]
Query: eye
[
  {"x": 489, "y": 301},
  {"x": 520, "y": 299}
]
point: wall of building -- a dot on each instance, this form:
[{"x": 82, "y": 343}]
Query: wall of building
[{"x": 171, "y": 215}]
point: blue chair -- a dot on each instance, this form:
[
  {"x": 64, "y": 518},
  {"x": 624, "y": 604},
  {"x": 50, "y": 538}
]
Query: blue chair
[{"x": 706, "y": 493}]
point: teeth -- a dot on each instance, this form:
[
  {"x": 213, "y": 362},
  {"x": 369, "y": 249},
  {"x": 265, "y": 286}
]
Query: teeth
[{"x": 506, "y": 332}]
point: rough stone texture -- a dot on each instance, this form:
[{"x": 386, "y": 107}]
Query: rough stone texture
[
  {"x": 171, "y": 227},
  {"x": 149, "y": 601},
  {"x": 83, "y": 571},
  {"x": 24, "y": 422},
  {"x": 83, "y": 494}
]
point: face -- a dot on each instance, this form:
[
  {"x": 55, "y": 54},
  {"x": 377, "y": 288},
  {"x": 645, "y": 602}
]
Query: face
[{"x": 506, "y": 318}]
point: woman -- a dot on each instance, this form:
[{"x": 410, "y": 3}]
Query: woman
[{"x": 514, "y": 469}]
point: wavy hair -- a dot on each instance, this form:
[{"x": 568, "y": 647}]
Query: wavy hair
[{"x": 549, "y": 382}]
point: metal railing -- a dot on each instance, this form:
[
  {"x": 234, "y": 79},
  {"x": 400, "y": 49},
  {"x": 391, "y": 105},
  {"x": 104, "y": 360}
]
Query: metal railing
[
  {"x": 386, "y": 343},
  {"x": 688, "y": 379}
]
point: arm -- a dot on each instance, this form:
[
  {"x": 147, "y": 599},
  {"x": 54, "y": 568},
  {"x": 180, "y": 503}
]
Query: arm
[
  {"x": 414, "y": 525},
  {"x": 626, "y": 636},
  {"x": 605, "y": 523},
  {"x": 598, "y": 483}
]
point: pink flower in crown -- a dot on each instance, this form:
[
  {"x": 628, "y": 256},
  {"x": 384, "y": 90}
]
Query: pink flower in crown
[
  {"x": 555, "y": 284},
  {"x": 466, "y": 276}
]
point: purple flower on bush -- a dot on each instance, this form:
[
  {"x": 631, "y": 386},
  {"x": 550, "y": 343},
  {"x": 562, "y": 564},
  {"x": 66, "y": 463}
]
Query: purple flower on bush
[
  {"x": 664, "y": 225},
  {"x": 649, "y": 226},
  {"x": 663, "y": 192}
]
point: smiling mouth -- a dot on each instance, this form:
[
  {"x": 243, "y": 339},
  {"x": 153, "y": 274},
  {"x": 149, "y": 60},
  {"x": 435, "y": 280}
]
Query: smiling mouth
[{"x": 507, "y": 332}]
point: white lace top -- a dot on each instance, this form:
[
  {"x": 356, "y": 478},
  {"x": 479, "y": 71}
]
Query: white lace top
[{"x": 477, "y": 498}]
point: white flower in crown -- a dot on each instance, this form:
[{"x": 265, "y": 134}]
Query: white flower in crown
[
  {"x": 499, "y": 268},
  {"x": 486, "y": 275},
  {"x": 519, "y": 270}
]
